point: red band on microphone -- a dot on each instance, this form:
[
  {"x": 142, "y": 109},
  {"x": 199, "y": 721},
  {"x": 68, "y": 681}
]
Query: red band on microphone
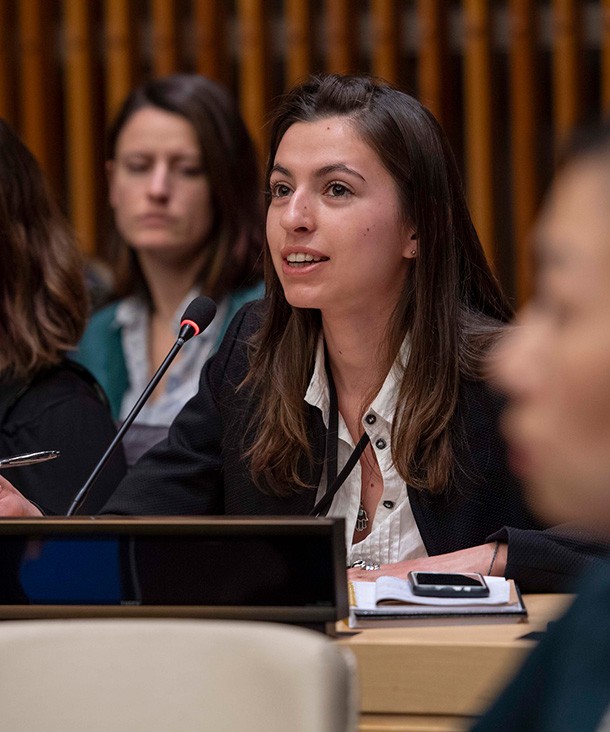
[{"x": 192, "y": 323}]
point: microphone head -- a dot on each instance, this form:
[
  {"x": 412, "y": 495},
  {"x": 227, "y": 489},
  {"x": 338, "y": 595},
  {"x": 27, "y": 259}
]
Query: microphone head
[{"x": 198, "y": 315}]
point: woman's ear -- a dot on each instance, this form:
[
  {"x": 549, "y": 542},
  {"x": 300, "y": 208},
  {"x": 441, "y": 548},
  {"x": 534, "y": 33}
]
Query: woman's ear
[{"x": 410, "y": 249}]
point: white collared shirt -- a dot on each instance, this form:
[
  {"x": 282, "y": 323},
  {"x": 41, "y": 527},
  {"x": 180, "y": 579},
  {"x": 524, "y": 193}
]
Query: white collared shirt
[
  {"x": 182, "y": 381},
  {"x": 394, "y": 535}
]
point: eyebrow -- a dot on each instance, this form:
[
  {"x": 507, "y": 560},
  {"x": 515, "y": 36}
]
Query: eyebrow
[{"x": 321, "y": 172}]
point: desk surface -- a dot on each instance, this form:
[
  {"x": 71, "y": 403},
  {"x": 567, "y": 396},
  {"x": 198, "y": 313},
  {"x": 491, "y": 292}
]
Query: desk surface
[{"x": 431, "y": 678}]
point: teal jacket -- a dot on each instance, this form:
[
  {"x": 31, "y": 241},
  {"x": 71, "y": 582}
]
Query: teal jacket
[{"x": 101, "y": 351}]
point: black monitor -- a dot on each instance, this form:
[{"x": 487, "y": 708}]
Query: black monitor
[{"x": 279, "y": 569}]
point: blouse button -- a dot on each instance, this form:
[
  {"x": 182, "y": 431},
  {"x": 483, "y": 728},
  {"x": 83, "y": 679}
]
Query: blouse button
[
  {"x": 380, "y": 444},
  {"x": 370, "y": 419},
  {"x": 388, "y": 504}
]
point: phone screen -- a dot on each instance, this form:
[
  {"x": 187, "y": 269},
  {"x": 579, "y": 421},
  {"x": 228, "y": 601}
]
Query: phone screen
[
  {"x": 429, "y": 578},
  {"x": 448, "y": 584}
]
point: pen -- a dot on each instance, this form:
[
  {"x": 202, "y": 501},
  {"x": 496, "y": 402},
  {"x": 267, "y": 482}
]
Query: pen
[{"x": 28, "y": 458}]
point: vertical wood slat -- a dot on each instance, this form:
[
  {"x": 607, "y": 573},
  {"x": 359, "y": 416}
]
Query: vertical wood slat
[
  {"x": 478, "y": 119},
  {"x": 341, "y": 26},
  {"x": 165, "y": 37},
  {"x": 605, "y": 60},
  {"x": 80, "y": 123},
  {"x": 252, "y": 70},
  {"x": 210, "y": 40},
  {"x": 32, "y": 19},
  {"x": 525, "y": 183},
  {"x": 386, "y": 39},
  {"x": 298, "y": 40},
  {"x": 120, "y": 52},
  {"x": 566, "y": 63},
  {"x": 7, "y": 110},
  {"x": 432, "y": 55}
]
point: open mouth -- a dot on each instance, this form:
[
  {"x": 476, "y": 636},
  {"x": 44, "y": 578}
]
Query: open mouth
[{"x": 298, "y": 260}]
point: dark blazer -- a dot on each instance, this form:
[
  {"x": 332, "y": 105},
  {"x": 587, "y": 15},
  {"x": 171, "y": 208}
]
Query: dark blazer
[
  {"x": 61, "y": 408},
  {"x": 199, "y": 469}
]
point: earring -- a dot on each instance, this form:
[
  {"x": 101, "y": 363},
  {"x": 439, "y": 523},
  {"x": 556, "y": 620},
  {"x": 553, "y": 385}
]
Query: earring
[{"x": 413, "y": 252}]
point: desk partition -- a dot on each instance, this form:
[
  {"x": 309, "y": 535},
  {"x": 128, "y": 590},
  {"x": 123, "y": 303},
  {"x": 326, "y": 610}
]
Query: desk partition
[{"x": 285, "y": 569}]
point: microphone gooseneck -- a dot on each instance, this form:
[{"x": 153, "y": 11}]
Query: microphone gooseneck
[{"x": 196, "y": 318}]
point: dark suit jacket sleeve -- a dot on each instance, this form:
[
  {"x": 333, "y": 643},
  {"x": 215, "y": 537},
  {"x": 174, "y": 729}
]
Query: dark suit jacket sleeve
[
  {"x": 564, "y": 685},
  {"x": 548, "y": 560},
  {"x": 183, "y": 474}
]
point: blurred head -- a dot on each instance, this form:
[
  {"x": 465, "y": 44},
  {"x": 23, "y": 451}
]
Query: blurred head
[
  {"x": 555, "y": 364},
  {"x": 43, "y": 301},
  {"x": 183, "y": 185}
]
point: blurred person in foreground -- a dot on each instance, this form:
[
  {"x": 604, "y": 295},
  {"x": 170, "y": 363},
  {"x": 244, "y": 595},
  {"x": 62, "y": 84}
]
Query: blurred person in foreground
[
  {"x": 47, "y": 402},
  {"x": 187, "y": 220},
  {"x": 555, "y": 369}
]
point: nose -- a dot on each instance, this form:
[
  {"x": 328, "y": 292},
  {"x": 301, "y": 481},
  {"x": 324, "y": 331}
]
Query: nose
[
  {"x": 159, "y": 182},
  {"x": 517, "y": 360},
  {"x": 297, "y": 215}
]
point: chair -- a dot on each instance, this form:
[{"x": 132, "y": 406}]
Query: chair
[{"x": 178, "y": 675}]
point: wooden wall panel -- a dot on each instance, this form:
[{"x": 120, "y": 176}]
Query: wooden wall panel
[
  {"x": 121, "y": 52},
  {"x": 81, "y": 127},
  {"x": 386, "y": 39},
  {"x": 253, "y": 68},
  {"x": 567, "y": 64},
  {"x": 66, "y": 65},
  {"x": 35, "y": 47},
  {"x": 165, "y": 37},
  {"x": 523, "y": 96},
  {"x": 211, "y": 40},
  {"x": 605, "y": 59},
  {"x": 7, "y": 90},
  {"x": 478, "y": 119},
  {"x": 341, "y": 35},
  {"x": 298, "y": 40},
  {"x": 432, "y": 54}
]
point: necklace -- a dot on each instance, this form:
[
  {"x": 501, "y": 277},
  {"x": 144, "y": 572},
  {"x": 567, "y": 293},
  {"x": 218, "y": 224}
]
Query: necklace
[{"x": 362, "y": 519}]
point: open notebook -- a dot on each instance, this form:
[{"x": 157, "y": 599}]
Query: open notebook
[{"x": 389, "y": 601}]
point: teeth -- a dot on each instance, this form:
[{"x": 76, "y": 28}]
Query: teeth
[{"x": 303, "y": 257}]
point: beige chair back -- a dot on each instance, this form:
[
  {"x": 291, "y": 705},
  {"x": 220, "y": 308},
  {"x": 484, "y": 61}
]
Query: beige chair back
[{"x": 178, "y": 675}]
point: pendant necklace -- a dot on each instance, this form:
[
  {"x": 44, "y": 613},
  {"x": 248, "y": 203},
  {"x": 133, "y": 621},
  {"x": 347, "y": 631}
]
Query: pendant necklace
[{"x": 362, "y": 519}]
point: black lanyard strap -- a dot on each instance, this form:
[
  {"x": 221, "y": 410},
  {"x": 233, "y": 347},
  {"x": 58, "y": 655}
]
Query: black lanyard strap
[
  {"x": 322, "y": 506},
  {"x": 334, "y": 481}
]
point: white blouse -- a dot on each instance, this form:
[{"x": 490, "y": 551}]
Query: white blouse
[{"x": 394, "y": 534}]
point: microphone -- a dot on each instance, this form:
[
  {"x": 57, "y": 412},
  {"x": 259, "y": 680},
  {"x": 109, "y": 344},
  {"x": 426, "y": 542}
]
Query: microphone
[{"x": 197, "y": 316}]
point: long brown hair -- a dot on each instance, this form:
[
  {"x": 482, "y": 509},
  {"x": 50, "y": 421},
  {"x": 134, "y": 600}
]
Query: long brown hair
[
  {"x": 234, "y": 247},
  {"x": 451, "y": 308},
  {"x": 43, "y": 299}
]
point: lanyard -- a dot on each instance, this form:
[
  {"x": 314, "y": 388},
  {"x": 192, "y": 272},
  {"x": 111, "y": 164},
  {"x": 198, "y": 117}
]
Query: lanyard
[{"x": 334, "y": 481}]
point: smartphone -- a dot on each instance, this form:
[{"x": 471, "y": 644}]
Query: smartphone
[{"x": 446, "y": 584}]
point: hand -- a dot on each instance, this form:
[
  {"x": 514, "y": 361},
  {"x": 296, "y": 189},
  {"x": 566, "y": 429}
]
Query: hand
[
  {"x": 473, "y": 559},
  {"x": 13, "y": 504}
]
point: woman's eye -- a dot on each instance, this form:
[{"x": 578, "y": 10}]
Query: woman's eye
[
  {"x": 191, "y": 171},
  {"x": 136, "y": 166},
  {"x": 337, "y": 190},
  {"x": 279, "y": 190}
]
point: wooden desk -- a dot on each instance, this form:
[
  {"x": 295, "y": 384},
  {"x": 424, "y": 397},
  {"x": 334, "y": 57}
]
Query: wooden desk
[{"x": 437, "y": 679}]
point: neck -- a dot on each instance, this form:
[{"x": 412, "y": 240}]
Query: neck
[
  {"x": 356, "y": 369},
  {"x": 168, "y": 284}
]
